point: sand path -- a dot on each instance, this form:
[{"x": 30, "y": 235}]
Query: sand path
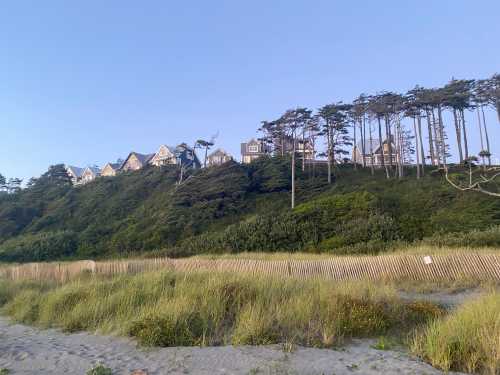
[{"x": 26, "y": 350}]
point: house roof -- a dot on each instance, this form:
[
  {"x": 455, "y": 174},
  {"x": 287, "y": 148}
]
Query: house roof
[
  {"x": 114, "y": 166},
  {"x": 95, "y": 170},
  {"x": 172, "y": 149},
  {"x": 374, "y": 145},
  {"x": 75, "y": 171},
  {"x": 143, "y": 158}
]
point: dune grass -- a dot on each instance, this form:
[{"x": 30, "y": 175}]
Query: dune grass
[
  {"x": 176, "y": 309},
  {"x": 466, "y": 340}
]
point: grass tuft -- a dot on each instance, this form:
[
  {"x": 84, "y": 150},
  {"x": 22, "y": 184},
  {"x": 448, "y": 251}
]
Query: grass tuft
[{"x": 466, "y": 340}]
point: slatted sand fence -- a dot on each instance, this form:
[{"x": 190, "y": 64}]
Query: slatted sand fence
[{"x": 446, "y": 266}]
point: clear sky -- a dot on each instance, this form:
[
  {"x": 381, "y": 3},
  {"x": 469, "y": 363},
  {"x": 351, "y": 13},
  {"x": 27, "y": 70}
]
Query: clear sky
[{"x": 85, "y": 82}]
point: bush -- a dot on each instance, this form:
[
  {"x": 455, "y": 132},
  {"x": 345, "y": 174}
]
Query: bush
[
  {"x": 100, "y": 370},
  {"x": 39, "y": 247}
]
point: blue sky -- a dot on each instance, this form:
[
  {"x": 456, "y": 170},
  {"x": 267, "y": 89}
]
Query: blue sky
[{"x": 85, "y": 82}]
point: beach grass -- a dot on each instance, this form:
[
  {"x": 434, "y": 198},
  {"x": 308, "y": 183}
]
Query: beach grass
[
  {"x": 165, "y": 308},
  {"x": 466, "y": 340}
]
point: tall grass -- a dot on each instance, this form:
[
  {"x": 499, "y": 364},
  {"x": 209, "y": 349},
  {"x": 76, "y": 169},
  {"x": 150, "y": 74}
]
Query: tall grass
[
  {"x": 171, "y": 309},
  {"x": 466, "y": 340}
]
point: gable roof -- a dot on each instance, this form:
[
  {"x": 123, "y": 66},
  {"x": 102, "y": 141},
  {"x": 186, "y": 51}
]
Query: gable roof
[
  {"x": 374, "y": 145},
  {"x": 114, "y": 166},
  {"x": 96, "y": 171},
  {"x": 143, "y": 158},
  {"x": 75, "y": 171}
]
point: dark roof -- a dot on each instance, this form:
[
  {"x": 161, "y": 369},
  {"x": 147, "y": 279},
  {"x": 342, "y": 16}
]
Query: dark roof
[
  {"x": 115, "y": 166},
  {"x": 143, "y": 158}
]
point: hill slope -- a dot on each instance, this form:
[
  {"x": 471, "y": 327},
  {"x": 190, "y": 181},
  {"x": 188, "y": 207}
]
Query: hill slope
[{"x": 232, "y": 208}]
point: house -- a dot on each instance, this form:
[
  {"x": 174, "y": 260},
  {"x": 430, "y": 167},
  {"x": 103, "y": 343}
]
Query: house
[
  {"x": 372, "y": 147},
  {"x": 164, "y": 156},
  {"x": 90, "y": 174},
  {"x": 74, "y": 173},
  {"x": 302, "y": 147},
  {"x": 218, "y": 157},
  {"x": 253, "y": 149},
  {"x": 136, "y": 161},
  {"x": 110, "y": 169}
]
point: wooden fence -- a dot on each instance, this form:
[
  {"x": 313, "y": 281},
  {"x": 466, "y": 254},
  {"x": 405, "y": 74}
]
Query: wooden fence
[{"x": 476, "y": 266}]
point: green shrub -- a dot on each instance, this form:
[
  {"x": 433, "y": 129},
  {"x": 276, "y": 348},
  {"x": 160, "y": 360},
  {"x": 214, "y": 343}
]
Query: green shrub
[
  {"x": 39, "y": 247},
  {"x": 100, "y": 370}
]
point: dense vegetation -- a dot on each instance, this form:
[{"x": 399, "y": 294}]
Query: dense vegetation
[
  {"x": 235, "y": 208},
  {"x": 176, "y": 309}
]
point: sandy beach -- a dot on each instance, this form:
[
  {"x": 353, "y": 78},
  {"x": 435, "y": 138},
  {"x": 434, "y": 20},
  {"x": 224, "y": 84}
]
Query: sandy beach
[{"x": 26, "y": 350}]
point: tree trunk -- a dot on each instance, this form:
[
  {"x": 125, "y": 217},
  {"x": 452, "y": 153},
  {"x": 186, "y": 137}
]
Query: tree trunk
[
  {"x": 420, "y": 141},
  {"x": 417, "y": 147},
  {"x": 464, "y": 129},
  {"x": 442, "y": 136},
  {"x": 487, "y": 137},
  {"x": 363, "y": 140},
  {"x": 459, "y": 136},
  {"x": 483, "y": 161},
  {"x": 381, "y": 147},
  {"x": 293, "y": 171},
  {"x": 437, "y": 149},
  {"x": 389, "y": 138},
  {"x": 303, "y": 150},
  {"x": 355, "y": 148},
  {"x": 431, "y": 139},
  {"x": 329, "y": 152},
  {"x": 206, "y": 157},
  {"x": 372, "y": 161}
]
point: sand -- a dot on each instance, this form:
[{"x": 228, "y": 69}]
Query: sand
[{"x": 26, "y": 350}]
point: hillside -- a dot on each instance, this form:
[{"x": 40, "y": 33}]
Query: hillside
[{"x": 235, "y": 208}]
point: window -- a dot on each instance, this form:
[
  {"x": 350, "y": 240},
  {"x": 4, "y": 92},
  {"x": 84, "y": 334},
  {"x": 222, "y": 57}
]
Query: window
[{"x": 253, "y": 148}]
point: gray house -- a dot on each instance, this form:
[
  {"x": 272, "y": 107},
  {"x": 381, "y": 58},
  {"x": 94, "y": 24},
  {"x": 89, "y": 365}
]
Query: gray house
[{"x": 253, "y": 149}]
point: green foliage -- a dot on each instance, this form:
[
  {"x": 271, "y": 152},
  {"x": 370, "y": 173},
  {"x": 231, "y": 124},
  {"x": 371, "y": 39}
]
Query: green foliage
[
  {"x": 39, "y": 247},
  {"x": 233, "y": 208}
]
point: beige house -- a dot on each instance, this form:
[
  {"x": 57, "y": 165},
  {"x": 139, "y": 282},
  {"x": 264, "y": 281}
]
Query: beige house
[
  {"x": 136, "y": 161},
  {"x": 373, "y": 151},
  {"x": 110, "y": 169},
  {"x": 164, "y": 156},
  {"x": 218, "y": 157},
  {"x": 90, "y": 174}
]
